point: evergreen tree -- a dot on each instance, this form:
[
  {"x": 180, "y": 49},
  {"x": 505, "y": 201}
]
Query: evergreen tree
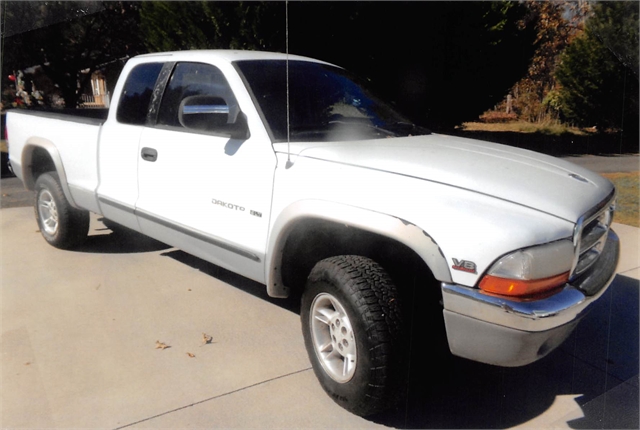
[
  {"x": 598, "y": 72},
  {"x": 174, "y": 26}
]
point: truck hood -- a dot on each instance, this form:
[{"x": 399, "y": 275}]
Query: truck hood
[{"x": 527, "y": 178}]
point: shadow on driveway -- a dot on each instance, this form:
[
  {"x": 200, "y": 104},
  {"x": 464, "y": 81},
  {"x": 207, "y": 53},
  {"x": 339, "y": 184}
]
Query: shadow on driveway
[
  {"x": 292, "y": 304},
  {"x": 450, "y": 392},
  {"x": 597, "y": 365},
  {"x": 121, "y": 240}
]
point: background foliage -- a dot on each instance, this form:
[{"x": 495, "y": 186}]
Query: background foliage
[
  {"x": 584, "y": 71},
  {"x": 598, "y": 72},
  {"x": 213, "y": 25},
  {"x": 442, "y": 63},
  {"x": 555, "y": 24},
  {"x": 426, "y": 56},
  {"x": 67, "y": 38}
]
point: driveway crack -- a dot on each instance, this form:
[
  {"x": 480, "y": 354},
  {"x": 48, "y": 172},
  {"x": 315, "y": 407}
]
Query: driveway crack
[{"x": 212, "y": 398}]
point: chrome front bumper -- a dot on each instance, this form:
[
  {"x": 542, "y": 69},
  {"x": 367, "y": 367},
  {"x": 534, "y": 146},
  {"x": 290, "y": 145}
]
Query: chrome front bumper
[{"x": 504, "y": 332}]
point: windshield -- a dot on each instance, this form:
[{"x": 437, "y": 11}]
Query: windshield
[{"x": 326, "y": 103}]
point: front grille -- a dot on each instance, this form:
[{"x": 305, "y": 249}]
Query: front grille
[{"x": 590, "y": 235}]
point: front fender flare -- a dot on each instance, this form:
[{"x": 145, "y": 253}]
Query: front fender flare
[{"x": 383, "y": 224}]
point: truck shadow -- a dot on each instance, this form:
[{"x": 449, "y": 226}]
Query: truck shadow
[
  {"x": 292, "y": 304},
  {"x": 598, "y": 360},
  {"x": 571, "y": 386},
  {"x": 120, "y": 240}
]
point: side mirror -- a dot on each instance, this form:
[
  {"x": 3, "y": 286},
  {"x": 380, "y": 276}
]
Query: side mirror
[{"x": 213, "y": 114}]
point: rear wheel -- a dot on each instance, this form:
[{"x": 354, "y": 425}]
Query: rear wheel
[
  {"x": 352, "y": 326},
  {"x": 62, "y": 225}
]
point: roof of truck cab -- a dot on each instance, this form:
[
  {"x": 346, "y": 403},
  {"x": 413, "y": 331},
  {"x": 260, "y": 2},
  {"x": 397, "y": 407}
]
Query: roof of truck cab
[{"x": 227, "y": 55}]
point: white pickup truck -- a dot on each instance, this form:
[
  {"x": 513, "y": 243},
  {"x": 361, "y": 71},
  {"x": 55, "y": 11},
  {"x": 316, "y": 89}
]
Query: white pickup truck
[{"x": 288, "y": 171}]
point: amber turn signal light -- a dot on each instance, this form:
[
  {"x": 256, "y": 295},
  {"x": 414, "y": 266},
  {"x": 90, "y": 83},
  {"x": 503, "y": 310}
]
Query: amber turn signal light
[{"x": 521, "y": 287}]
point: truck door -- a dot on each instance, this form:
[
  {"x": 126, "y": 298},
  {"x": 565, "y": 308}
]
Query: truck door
[
  {"x": 199, "y": 189},
  {"x": 118, "y": 146}
]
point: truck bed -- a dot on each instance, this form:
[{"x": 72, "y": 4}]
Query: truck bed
[
  {"x": 84, "y": 116},
  {"x": 71, "y": 139}
]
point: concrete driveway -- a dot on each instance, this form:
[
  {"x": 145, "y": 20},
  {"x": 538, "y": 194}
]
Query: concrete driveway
[{"x": 79, "y": 333}]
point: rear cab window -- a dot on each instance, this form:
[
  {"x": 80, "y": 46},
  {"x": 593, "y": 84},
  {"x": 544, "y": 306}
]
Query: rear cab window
[{"x": 136, "y": 94}]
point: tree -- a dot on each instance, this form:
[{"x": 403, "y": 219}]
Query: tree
[
  {"x": 71, "y": 39},
  {"x": 616, "y": 27},
  {"x": 555, "y": 24},
  {"x": 598, "y": 72},
  {"x": 442, "y": 62},
  {"x": 172, "y": 26}
]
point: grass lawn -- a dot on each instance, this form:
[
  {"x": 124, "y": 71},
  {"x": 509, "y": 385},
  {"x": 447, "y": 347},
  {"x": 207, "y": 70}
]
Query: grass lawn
[
  {"x": 546, "y": 128},
  {"x": 628, "y": 188}
]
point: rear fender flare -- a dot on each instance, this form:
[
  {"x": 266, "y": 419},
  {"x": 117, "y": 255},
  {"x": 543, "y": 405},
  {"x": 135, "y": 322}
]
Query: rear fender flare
[{"x": 29, "y": 177}]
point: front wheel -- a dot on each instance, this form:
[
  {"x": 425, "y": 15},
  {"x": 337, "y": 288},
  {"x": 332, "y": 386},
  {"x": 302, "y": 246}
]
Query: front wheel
[
  {"x": 352, "y": 327},
  {"x": 62, "y": 225}
]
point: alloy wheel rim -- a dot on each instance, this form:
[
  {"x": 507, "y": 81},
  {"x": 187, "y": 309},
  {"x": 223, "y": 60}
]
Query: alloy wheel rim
[
  {"x": 48, "y": 212},
  {"x": 333, "y": 338}
]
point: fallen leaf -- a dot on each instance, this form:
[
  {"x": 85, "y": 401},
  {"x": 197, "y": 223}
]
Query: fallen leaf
[
  {"x": 161, "y": 345},
  {"x": 206, "y": 339},
  {"x": 191, "y": 355}
]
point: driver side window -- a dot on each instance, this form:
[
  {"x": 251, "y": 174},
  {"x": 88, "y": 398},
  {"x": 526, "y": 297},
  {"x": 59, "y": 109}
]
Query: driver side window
[{"x": 194, "y": 91}]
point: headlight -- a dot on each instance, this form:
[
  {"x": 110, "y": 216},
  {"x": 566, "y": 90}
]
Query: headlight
[{"x": 530, "y": 271}]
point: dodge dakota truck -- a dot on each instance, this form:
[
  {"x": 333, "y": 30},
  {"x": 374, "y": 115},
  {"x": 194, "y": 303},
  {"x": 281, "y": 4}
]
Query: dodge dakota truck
[{"x": 289, "y": 171}]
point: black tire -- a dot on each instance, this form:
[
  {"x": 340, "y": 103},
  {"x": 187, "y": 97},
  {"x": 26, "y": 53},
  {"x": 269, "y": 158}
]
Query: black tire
[
  {"x": 62, "y": 225},
  {"x": 366, "y": 308}
]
